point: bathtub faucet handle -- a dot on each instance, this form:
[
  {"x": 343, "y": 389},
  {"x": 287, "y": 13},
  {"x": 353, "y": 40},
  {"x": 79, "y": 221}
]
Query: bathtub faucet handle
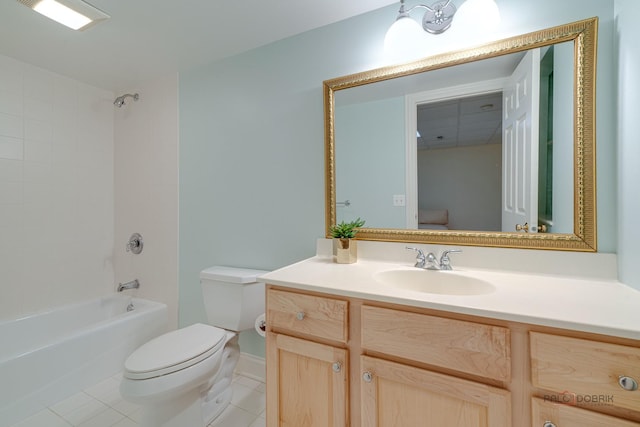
[{"x": 135, "y": 244}]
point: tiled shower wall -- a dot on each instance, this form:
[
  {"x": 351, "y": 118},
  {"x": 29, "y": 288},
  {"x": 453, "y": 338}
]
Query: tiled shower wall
[{"x": 56, "y": 189}]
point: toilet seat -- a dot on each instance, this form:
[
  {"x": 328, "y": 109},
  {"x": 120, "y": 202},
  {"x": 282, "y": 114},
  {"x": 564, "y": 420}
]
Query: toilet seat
[{"x": 174, "y": 351}]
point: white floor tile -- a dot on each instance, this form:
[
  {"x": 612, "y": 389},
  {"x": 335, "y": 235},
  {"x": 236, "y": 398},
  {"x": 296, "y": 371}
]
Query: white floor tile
[
  {"x": 125, "y": 407},
  {"x": 106, "y": 418},
  {"x": 71, "y": 404},
  {"x": 85, "y": 412},
  {"x": 248, "y": 399},
  {"x": 107, "y": 391},
  {"x": 43, "y": 418},
  {"x": 233, "y": 417},
  {"x": 259, "y": 422},
  {"x": 102, "y": 406},
  {"x": 126, "y": 422}
]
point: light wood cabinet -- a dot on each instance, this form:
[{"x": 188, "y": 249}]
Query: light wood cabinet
[
  {"x": 548, "y": 414},
  {"x": 395, "y": 394},
  {"x": 579, "y": 376},
  {"x": 585, "y": 368},
  {"x": 338, "y": 361},
  {"x": 306, "y": 383},
  {"x": 311, "y": 315},
  {"x": 459, "y": 345}
]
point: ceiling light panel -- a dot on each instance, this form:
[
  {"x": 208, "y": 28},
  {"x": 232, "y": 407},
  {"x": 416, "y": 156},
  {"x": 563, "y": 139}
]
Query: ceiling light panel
[{"x": 75, "y": 14}]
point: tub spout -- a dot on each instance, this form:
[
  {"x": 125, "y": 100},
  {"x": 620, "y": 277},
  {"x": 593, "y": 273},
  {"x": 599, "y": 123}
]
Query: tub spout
[{"x": 134, "y": 284}]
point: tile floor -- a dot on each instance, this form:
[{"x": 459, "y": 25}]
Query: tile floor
[{"x": 102, "y": 406}]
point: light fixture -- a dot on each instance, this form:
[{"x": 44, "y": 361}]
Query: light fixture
[
  {"x": 75, "y": 14},
  {"x": 438, "y": 18}
]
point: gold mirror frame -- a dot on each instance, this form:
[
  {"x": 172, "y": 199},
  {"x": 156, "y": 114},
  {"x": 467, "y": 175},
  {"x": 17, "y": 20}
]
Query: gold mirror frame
[{"x": 584, "y": 35}]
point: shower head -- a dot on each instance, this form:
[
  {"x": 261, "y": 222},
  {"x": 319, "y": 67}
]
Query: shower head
[{"x": 119, "y": 102}]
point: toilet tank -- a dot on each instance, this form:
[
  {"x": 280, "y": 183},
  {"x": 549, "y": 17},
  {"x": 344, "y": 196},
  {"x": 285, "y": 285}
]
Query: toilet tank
[{"x": 233, "y": 297}]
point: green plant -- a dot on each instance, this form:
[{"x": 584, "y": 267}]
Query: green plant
[{"x": 346, "y": 230}]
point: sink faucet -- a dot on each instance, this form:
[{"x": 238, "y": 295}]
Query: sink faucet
[{"x": 430, "y": 262}]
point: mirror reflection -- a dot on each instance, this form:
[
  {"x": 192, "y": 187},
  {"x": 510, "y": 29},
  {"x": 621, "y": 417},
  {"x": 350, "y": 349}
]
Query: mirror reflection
[
  {"x": 489, "y": 146},
  {"x": 451, "y": 156}
]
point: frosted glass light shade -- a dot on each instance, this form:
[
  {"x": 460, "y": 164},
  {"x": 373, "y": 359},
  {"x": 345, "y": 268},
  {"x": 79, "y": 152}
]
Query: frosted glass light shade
[
  {"x": 477, "y": 15},
  {"x": 403, "y": 38}
]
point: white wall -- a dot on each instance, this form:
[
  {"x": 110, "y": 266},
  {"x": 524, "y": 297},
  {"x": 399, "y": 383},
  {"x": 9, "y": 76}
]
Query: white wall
[
  {"x": 627, "y": 16},
  {"x": 56, "y": 190},
  {"x": 467, "y": 181},
  {"x": 146, "y": 188}
]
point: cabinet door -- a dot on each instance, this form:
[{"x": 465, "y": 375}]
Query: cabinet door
[
  {"x": 396, "y": 395},
  {"x": 546, "y": 414},
  {"x": 306, "y": 383}
]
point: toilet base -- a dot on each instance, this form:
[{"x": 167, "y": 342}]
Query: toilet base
[
  {"x": 199, "y": 407},
  {"x": 184, "y": 410}
]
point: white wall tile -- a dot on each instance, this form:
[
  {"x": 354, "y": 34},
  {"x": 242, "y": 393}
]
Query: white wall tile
[
  {"x": 56, "y": 203},
  {"x": 11, "y": 126},
  {"x": 11, "y": 72},
  {"x": 11, "y": 148},
  {"x": 146, "y": 183},
  {"x": 37, "y": 109},
  {"x": 37, "y": 130},
  {"x": 11, "y": 192},
  {"x": 10, "y": 103}
]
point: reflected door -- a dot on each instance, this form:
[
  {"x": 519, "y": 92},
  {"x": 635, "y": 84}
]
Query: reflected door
[{"x": 521, "y": 106}]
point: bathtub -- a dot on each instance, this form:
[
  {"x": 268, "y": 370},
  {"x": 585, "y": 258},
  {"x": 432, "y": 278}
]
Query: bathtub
[{"x": 49, "y": 356}]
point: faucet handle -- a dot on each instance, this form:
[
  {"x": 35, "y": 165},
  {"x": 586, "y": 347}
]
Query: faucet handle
[
  {"x": 445, "y": 262},
  {"x": 420, "y": 258}
]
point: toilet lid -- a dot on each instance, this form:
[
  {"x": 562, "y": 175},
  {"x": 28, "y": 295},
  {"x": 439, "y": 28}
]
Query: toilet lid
[{"x": 174, "y": 351}]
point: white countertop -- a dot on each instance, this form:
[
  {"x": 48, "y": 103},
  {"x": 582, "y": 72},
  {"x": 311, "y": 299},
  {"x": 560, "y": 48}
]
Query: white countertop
[{"x": 599, "y": 306}]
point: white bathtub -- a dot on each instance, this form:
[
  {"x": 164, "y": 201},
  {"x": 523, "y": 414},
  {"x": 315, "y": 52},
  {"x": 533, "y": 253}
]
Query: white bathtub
[{"x": 49, "y": 356}]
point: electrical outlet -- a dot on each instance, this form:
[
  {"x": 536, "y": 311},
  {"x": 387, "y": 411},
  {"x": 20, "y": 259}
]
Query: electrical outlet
[{"x": 398, "y": 200}]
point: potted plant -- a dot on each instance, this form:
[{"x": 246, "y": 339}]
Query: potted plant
[{"x": 344, "y": 234}]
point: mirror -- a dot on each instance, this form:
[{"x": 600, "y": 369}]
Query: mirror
[{"x": 396, "y": 157}]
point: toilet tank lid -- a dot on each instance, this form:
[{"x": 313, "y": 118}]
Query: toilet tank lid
[{"x": 231, "y": 274}]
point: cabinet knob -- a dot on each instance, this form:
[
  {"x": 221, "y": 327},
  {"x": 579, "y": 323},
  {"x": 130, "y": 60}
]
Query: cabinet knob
[
  {"x": 627, "y": 383},
  {"x": 548, "y": 424},
  {"x": 367, "y": 377},
  {"x": 337, "y": 367},
  {"x": 300, "y": 315}
]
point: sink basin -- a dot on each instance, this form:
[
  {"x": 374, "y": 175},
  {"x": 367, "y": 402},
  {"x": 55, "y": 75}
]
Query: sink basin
[{"x": 434, "y": 282}]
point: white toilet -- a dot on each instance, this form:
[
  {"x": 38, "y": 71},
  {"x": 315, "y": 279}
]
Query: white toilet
[{"x": 183, "y": 378}]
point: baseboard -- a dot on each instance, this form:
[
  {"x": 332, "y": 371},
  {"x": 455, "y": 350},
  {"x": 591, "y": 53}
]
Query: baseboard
[{"x": 252, "y": 367}]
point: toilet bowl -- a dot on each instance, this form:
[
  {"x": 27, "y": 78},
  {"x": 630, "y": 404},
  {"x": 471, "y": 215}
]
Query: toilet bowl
[{"x": 183, "y": 378}]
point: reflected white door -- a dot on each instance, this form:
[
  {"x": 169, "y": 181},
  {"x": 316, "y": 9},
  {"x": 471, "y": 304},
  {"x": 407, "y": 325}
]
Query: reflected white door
[{"x": 521, "y": 108}]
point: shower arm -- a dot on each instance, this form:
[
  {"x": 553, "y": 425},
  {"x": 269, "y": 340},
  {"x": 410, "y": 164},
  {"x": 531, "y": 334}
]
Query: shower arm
[{"x": 119, "y": 102}]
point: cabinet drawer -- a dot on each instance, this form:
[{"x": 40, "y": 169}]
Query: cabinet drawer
[
  {"x": 570, "y": 416},
  {"x": 307, "y": 314},
  {"x": 394, "y": 394},
  {"x": 585, "y": 368},
  {"x": 464, "y": 346}
]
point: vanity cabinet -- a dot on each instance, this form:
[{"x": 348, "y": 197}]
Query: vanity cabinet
[
  {"x": 548, "y": 414},
  {"x": 311, "y": 387},
  {"x": 307, "y": 360},
  {"x": 578, "y": 374},
  {"x": 393, "y": 369},
  {"x": 342, "y": 361}
]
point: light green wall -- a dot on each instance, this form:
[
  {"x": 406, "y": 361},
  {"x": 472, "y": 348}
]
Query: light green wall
[
  {"x": 628, "y": 49},
  {"x": 251, "y": 141},
  {"x": 375, "y": 166}
]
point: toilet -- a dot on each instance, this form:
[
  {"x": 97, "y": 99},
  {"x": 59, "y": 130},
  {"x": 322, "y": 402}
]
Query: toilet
[{"x": 183, "y": 378}]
